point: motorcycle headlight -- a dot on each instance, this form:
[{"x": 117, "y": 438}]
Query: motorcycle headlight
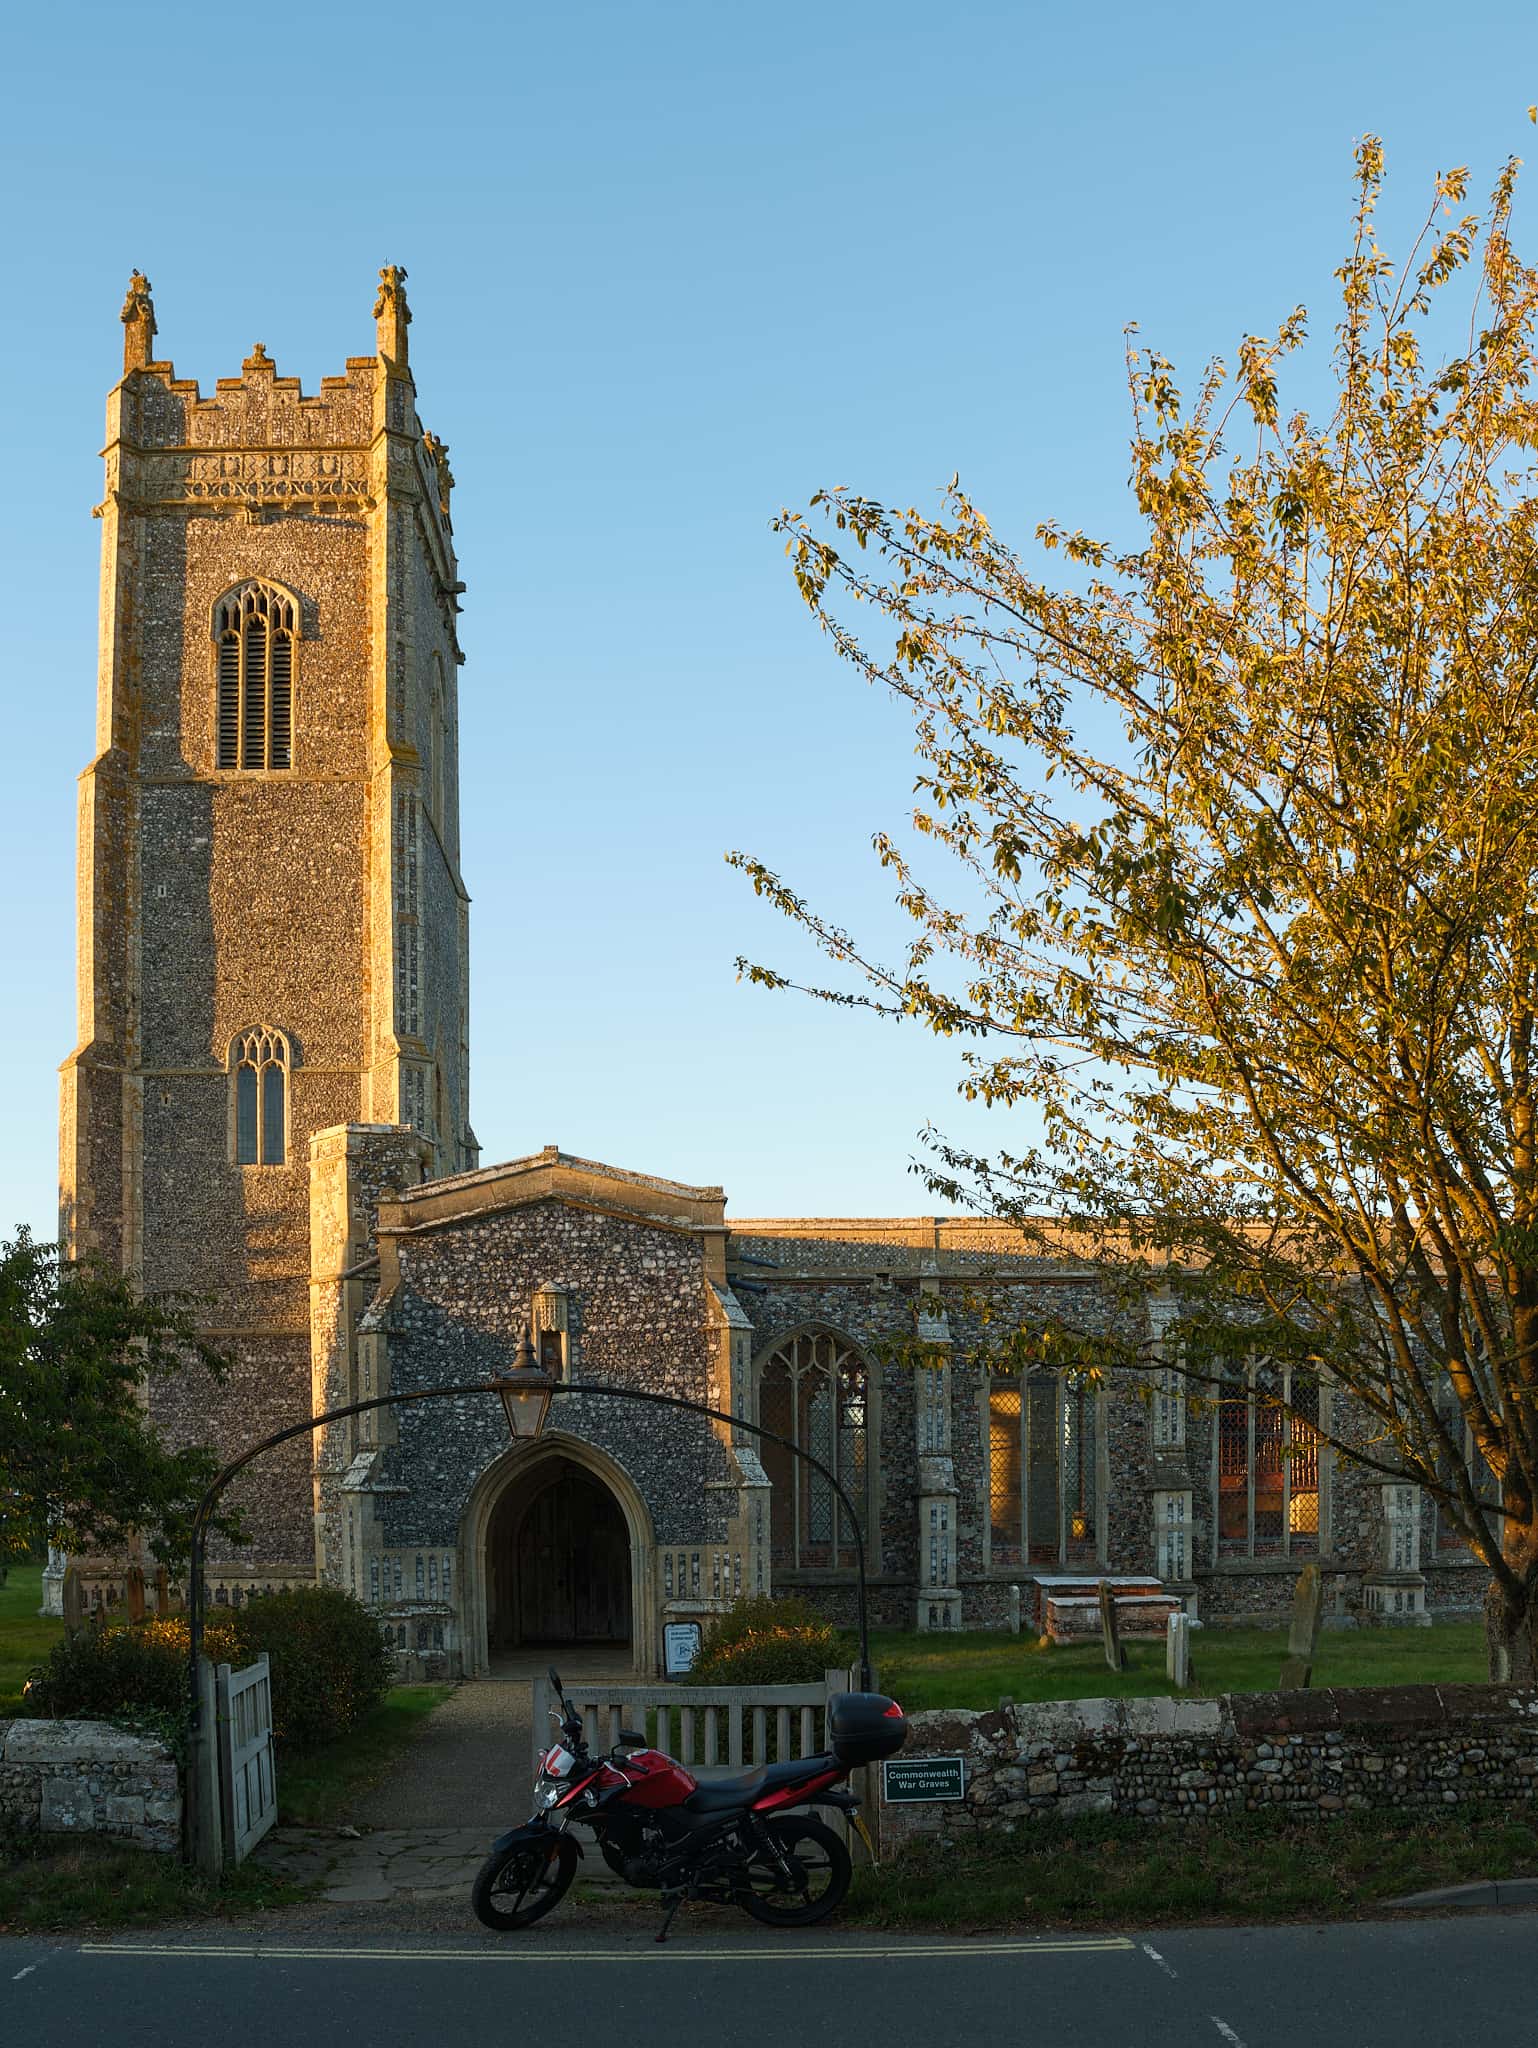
[{"x": 547, "y": 1795}]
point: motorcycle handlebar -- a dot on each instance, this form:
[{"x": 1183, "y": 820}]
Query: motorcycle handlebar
[{"x": 570, "y": 1725}]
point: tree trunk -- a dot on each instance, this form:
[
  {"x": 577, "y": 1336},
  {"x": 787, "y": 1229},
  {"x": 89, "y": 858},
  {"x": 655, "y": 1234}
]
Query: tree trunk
[{"x": 1511, "y": 1619}]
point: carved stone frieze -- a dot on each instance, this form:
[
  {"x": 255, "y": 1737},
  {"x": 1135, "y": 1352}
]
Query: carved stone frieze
[{"x": 264, "y": 475}]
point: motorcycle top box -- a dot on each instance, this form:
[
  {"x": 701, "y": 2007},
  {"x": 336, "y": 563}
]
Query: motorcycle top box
[{"x": 863, "y": 1727}]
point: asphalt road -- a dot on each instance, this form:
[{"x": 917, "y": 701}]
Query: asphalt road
[{"x": 1420, "y": 1980}]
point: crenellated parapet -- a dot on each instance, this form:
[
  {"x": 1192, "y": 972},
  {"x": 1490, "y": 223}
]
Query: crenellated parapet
[{"x": 260, "y": 446}]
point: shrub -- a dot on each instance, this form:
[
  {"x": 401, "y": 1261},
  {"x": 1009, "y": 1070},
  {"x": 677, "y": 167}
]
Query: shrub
[
  {"x": 764, "y": 1641},
  {"x": 329, "y": 1664},
  {"x": 774, "y": 1656},
  {"x": 752, "y": 1614},
  {"x": 99, "y": 1673},
  {"x": 329, "y": 1660}
]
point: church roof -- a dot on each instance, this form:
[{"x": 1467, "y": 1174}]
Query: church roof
[
  {"x": 553, "y": 1156},
  {"x": 554, "y": 1175}
]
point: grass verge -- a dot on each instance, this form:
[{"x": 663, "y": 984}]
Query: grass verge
[
  {"x": 1104, "y": 1871},
  {"x": 26, "y": 1636},
  {"x": 976, "y": 1670},
  {"x": 318, "y": 1787},
  {"x": 95, "y": 1884},
  {"x": 49, "y": 1887}
]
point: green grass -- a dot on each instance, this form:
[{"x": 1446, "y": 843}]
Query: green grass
[
  {"x": 1106, "y": 1871},
  {"x": 977, "y": 1670},
  {"x": 26, "y": 1636},
  {"x": 96, "y": 1884},
  {"x": 317, "y": 1787}
]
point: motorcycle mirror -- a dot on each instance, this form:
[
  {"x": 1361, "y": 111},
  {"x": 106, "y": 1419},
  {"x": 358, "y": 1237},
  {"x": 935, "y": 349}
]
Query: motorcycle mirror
[{"x": 554, "y": 1677}]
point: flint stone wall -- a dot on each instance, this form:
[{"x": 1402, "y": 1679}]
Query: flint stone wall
[
  {"x": 84, "y": 1778},
  {"x": 1419, "y": 1748}
]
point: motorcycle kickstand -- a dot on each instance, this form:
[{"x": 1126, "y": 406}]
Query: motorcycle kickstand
[{"x": 671, "y": 1903}]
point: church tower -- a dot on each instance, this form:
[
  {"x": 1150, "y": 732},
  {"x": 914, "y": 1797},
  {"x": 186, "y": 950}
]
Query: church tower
[{"x": 272, "y": 926}]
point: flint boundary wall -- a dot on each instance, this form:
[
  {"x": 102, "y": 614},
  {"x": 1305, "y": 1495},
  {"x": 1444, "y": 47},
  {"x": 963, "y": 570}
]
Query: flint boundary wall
[
  {"x": 1416, "y": 1748},
  {"x": 85, "y": 1778}
]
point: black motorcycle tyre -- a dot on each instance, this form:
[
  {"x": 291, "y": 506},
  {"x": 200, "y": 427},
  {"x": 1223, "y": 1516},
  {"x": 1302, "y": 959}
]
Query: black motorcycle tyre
[
  {"x": 794, "y": 1828},
  {"x": 482, "y": 1892}
]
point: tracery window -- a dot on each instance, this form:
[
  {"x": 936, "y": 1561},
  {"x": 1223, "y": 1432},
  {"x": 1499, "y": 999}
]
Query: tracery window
[
  {"x": 813, "y": 1389},
  {"x": 1042, "y": 1493},
  {"x": 1449, "y": 1537},
  {"x": 259, "y": 1066},
  {"x": 255, "y": 627},
  {"x": 1267, "y": 1463}
]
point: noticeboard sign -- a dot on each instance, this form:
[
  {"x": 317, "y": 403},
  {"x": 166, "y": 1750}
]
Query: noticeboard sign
[
  {"x": 680, "y": 1647},
  {"x": 906, "y": 1780}
]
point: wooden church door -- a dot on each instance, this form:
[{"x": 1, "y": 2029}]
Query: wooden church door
[{"x": 574, "y": 1565}]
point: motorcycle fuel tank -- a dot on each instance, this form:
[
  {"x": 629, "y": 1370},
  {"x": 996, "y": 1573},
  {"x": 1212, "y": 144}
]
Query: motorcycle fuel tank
[{"x": 655, "y": 1779}]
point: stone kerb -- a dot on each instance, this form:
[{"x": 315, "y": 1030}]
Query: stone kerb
[
  {"x": 1314, "y": 1754},
  {"x": 86, "y": 1778}
]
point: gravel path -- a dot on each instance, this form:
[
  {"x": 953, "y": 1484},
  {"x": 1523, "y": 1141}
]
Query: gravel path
[{"x": 468, "y": 1768}]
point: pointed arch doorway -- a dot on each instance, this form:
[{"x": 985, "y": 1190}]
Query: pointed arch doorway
[
  {"x": 531, "y": 1564},
  {"x": 557, "y": 1563}
]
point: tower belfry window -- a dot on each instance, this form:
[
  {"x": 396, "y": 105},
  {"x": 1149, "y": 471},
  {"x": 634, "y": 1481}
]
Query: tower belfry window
[
  {"x": 259, "y": 1098},
  {"x": 255, "y": 627}
]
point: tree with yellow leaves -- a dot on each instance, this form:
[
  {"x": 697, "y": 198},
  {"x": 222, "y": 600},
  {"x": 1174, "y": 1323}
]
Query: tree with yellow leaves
[{"x": 1237, "y": 831}]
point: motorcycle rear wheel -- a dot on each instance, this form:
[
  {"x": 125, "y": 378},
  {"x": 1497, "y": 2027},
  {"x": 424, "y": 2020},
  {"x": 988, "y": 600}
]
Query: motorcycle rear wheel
[
  {"x": 520, "y": 1885},
  {"x": 817, "y": 1855}
]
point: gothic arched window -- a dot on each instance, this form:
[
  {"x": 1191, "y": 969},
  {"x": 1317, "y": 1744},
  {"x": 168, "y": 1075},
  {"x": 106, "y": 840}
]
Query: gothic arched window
[
  {"x": 1266, "y": 1475},
  {"x": 259, "y": 1065},
  {"x": 255, "y": 627},
  {"x": 1043, "y": 1500},
  {"x": 813, "y": 1389}
]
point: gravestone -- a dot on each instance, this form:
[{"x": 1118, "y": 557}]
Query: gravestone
[
  {"x": 134, "y": 1584},
  {"x": 1110, "y": 1635},
  {"x": 162, "y": 1590},
  {"x": 73, "y": 1602},
  {"x": 1303, "y": 1633},
  {"x": 1177, "y": 1650},
  {"x": 1014, "y": 1610}
]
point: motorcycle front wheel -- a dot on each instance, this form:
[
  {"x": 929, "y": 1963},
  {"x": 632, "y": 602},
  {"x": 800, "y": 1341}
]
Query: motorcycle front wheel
[
  {"x": 520, "y": 1885},
  {"x": 820, "y": 1872}
]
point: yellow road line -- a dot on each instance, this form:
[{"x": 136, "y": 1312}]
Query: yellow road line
[{"x": 678, "y": 1951}]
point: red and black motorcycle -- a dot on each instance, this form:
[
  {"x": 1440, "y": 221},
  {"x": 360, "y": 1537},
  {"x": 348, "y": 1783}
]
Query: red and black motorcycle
[{"x": 742, "y": 1841}]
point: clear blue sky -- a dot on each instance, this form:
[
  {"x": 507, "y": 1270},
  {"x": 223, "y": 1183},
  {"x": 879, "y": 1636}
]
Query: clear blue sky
[{"x": 672, "y": 266}]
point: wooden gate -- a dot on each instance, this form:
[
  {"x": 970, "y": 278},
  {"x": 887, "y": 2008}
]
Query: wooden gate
[
  {"x": 247, "y": 1783},
  {"x": 719, "y": 1727}
]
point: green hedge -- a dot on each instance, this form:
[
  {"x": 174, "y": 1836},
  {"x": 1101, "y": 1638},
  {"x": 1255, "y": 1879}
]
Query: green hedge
[
  {"x": 98, "y": 1673},
  {"x": 330, "y": 1664}
]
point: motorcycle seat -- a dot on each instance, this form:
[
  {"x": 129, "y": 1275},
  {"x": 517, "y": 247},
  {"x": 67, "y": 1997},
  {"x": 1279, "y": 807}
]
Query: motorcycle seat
[{"x": 719, "y": 1795}]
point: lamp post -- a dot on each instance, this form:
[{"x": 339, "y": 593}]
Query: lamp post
[{"x": 526, "y": 1392}]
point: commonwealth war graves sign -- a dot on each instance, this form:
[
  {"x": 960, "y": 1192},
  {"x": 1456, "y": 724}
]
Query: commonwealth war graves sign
[{"x": 906, "y": 1780}]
